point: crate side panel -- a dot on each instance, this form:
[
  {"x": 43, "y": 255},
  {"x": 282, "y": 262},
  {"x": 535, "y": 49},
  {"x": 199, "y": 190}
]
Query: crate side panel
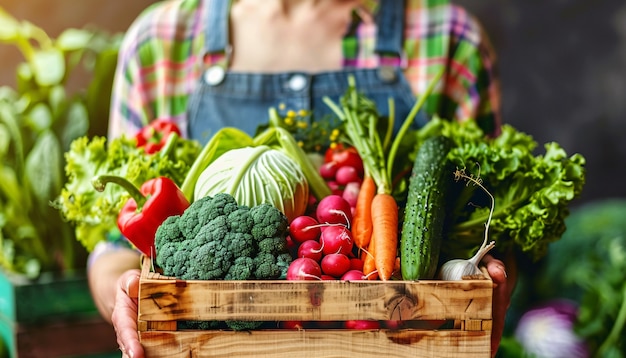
[
  {"x": 317, "y": 343},
  {"x": 162, "y": 300}
]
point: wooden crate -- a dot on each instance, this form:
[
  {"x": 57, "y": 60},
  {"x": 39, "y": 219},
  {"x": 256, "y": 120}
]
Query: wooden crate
[{"x": 465, "y": 305}]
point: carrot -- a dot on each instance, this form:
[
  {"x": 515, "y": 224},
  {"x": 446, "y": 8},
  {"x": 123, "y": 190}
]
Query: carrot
[
  {"x": 362, "y": 219},
  {"x": 369, "y": 263},
  {"x": 385, "y": 233}
]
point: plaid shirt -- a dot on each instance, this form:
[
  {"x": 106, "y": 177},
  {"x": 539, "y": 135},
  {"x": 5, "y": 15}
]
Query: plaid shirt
[{"x": 162, "y": 55}]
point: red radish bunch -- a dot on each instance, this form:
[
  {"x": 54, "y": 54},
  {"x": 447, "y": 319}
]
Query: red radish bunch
[
  {"x": 324, "y": 245},
  {"x": 343, "y": 171}
]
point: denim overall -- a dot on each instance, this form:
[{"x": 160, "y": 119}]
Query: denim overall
[{"x": 242, "y": 100}]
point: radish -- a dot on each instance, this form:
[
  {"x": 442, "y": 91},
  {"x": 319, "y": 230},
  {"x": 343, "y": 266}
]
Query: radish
[
  {"x": 351, "y": 193},
  {"x": 303, "y": 228},
  {"x": 311, "y": 249},
  {"x": 347, "y": 174},
  {"x": 356, "y": 263},
  {"x": 336, "y": 240},
  {"x": 292, "y": 325},
  {"x": 327, "y": 278},
  {"x": 335, "y": 188},
  {"x": 334, "y": 209},
  {"x": 353, "y": 275},
  {"x": 361, "y": 324},
  {"x": 335, "y": 265},
  {"x": 394, "y": 324},
  {"x": 304, "y": 268},
  {"x": 328, "y": 170},
  {"x": 345, "y": 157}
]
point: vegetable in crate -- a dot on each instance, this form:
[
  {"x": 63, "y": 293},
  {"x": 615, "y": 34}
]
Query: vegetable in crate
[
  {"x": 276, "y": 138},
  {"x": 255, "y": 175},
  {"x": 425, "y": 210},
  {"x": 147, "y": 209},
  {"x": 218, "y": 239}
]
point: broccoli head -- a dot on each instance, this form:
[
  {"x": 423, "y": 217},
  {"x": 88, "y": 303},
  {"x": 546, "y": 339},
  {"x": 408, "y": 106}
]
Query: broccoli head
[{"x": 217, "y": 239}]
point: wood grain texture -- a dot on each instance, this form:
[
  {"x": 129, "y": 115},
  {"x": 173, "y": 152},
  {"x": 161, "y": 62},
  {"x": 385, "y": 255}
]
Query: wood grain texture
[{"x": 318, "y": 343}]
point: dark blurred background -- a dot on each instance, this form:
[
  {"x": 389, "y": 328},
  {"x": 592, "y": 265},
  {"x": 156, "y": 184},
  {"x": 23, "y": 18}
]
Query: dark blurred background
[
  {"x": 563, "y": 69},
  {"x": 562, "y": 65}
]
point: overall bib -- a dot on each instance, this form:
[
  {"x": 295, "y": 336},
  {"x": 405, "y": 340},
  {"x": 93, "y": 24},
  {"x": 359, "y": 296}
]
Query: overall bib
[{"x": 242, "y": 100}]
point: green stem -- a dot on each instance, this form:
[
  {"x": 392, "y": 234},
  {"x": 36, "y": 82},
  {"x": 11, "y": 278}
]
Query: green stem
[
  {"x": 390, "y": 122},
  {"x": 99, "y": 183},
  {"x": 170, "y": 145},
  {"x": 410, "y": 118},
  {"x": 617, "y": 328}
]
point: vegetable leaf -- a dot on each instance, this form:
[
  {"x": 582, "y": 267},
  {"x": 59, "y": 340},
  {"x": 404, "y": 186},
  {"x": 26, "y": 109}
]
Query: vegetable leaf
[
  {"x": 95, "y": 213},
  {"x": 532, "y": 191}
]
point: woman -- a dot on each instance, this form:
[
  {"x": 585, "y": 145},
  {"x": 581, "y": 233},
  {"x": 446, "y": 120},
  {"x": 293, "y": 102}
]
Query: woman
[{"x": 211, "y": 63}]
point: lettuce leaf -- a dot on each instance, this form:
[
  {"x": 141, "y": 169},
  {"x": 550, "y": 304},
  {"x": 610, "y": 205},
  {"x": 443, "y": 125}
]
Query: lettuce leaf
[{"x": 94, "y": 214}]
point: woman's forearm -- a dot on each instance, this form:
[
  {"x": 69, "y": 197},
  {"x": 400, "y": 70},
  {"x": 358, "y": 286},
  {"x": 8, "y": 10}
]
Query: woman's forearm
[{"x": 103, "y": 274}]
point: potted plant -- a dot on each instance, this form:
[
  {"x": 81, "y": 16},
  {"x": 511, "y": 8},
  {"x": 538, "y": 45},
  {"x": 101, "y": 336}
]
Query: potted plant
[{"x": 62, "y": 92}]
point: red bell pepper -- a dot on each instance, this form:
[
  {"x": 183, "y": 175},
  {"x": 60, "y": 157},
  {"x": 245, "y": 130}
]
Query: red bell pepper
[
  {"x": 147, "y": 208},
  {"x": 154, "y": 136}
]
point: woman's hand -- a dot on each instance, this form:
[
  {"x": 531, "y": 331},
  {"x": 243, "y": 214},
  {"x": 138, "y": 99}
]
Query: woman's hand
[
  {"x": 504, "y": 283},
  {"x": 124, "y": 317}
]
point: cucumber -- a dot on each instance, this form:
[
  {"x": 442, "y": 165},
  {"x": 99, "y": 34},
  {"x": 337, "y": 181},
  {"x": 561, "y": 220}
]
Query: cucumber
[{"x": 424, "y": 214}]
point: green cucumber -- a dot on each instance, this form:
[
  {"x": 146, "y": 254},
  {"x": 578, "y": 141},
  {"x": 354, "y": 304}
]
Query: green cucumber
[{"x": 424, "y": 214}]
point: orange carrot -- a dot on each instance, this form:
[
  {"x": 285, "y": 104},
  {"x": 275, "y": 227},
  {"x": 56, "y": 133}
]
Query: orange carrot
[
  {"x": 385, "y": 233},
  {"x": 362, "y": 219},
  {"x": 369, "y": 263}
]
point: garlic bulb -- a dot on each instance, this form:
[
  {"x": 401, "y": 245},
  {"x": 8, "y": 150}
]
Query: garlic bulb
[{"x": 456, "y": 269}]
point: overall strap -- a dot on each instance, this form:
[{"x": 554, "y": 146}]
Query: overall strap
[
  {"x": 390, "y": 25},
  {"x": 216, "y": 35}
]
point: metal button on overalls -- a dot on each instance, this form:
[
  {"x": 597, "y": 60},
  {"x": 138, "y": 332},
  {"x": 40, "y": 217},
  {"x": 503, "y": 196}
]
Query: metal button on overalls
[
  {"x": 214, "y": 75},
  {"x": 297, "y": 82}
]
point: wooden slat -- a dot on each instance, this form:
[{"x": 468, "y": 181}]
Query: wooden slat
[
  {"x": 163, "y": 299},
  {"x": 318, "y": 343}
]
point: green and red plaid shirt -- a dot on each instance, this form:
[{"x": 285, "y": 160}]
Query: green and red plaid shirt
[{"x": 162, "y": 57}]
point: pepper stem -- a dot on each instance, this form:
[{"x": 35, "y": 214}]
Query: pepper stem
[{"x": 99, "y": 182}]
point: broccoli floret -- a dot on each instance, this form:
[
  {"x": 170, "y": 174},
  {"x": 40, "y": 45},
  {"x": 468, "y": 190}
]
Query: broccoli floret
[
  {"x": 267, "y": 267},
  {"x": 243, "y": 325},
  {"x": 268, "y": 222},
  {"x": 273, "y": 245},
  {"x": 240, "y": 244},
  {"x": 283, "y": 261},
  {"x": 240, "y": 220},
  {"x": 210, "y": 261},
  {"x": 167, "y": 242},
  {"x": 168, "y": 232},
  {"x": 205, "y": 210},
  {"x": 241, "y": 269}
]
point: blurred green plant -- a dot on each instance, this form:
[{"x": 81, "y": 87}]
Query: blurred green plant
[{"x": 38, "y": 121}]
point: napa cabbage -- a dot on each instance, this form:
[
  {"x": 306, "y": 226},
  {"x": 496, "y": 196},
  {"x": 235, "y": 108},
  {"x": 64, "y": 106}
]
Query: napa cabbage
[{"x": 254, "y": 175}]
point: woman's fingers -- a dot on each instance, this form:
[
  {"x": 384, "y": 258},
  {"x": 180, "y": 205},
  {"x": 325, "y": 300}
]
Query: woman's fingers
[
  {"x": 504, "y": 282},
  {"x": 124, "y": 315}
]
